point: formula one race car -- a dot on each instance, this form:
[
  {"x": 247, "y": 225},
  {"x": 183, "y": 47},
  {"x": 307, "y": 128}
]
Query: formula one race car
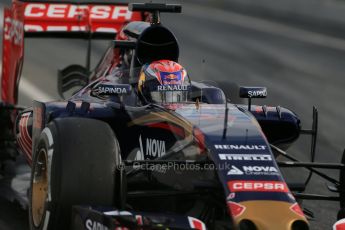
[{"x": 128, "y": 151}]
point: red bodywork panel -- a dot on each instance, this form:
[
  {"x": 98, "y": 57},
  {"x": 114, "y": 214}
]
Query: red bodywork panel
[
  {"x": 13, "y": 52},
  {"x": 43, "y": 19}
]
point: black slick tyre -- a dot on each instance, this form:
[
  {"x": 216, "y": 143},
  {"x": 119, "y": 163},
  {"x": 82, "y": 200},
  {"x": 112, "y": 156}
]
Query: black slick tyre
[{"x": 74, "y": 163}]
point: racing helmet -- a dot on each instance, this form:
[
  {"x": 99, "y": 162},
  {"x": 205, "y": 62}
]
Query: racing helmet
[{"x": 164, "y": 82}]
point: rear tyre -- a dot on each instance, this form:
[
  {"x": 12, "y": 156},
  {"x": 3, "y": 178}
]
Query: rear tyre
[{"x": 74, "y": 163}]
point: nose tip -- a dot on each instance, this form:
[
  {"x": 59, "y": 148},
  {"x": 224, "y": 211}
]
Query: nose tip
[{"x": 269, "y": 215}]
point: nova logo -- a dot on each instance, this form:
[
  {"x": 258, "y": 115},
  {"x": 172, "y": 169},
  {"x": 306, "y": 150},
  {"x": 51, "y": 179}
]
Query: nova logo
[
  {"x": 154, "y": 148},
  {"x": 94, "y": 225},
  {"x": 253, "y": 170},
  {"x": 235, "y": 171},
  {"x": 241, "y": 147},
  {"x": 260, "y": 169}
]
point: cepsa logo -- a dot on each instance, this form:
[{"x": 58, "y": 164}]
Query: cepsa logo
[
  {"x": 257, "y": 186},
  {"x": 68, "y": 17},
  {"x": 68, "y": 11}
]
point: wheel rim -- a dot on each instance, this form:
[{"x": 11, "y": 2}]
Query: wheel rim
[{"x": 39, "y": 187}]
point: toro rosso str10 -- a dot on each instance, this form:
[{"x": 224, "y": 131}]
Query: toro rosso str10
[{"x": 107, "y": 158}]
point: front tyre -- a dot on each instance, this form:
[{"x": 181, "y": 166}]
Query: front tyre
[{"x": 74, "y": 163}]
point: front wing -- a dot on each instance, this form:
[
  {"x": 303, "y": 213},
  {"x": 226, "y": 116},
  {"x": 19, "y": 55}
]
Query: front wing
[{"x": 89, "y": 218}]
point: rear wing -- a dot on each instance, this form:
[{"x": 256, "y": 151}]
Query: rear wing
[
  {"x": 87, "y": 19},
  {"x": 73, "y": 18}
]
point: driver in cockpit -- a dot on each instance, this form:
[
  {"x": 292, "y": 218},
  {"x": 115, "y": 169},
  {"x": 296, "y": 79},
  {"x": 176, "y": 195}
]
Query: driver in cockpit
[{"x": 163, "y": 82}]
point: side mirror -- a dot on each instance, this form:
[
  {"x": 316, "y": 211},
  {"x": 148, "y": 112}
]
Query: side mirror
[
  {"x": 252, "y": 92},
  {"x": 71, "y": 79}
]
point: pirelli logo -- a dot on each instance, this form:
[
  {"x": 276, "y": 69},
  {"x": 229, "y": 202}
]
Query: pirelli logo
[{"x": 245, "y": 157}]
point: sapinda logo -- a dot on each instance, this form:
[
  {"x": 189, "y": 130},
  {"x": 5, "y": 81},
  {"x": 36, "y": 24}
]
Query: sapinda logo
[
  {"x": 92, "y": 225},
  {"x": 257, "y": 186},
  {"x": 111, "y": 90},
  {"x": 257, "y": 93},
  {"x": 154, "y": 148}
]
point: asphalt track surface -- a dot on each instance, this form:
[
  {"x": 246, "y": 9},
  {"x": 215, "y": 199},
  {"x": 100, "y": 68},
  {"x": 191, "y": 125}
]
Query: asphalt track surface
[{"x": 300, "y": 69}]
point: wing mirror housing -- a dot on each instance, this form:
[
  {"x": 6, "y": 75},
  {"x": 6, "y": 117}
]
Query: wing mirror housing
[{"x": 252, "y": 92}]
